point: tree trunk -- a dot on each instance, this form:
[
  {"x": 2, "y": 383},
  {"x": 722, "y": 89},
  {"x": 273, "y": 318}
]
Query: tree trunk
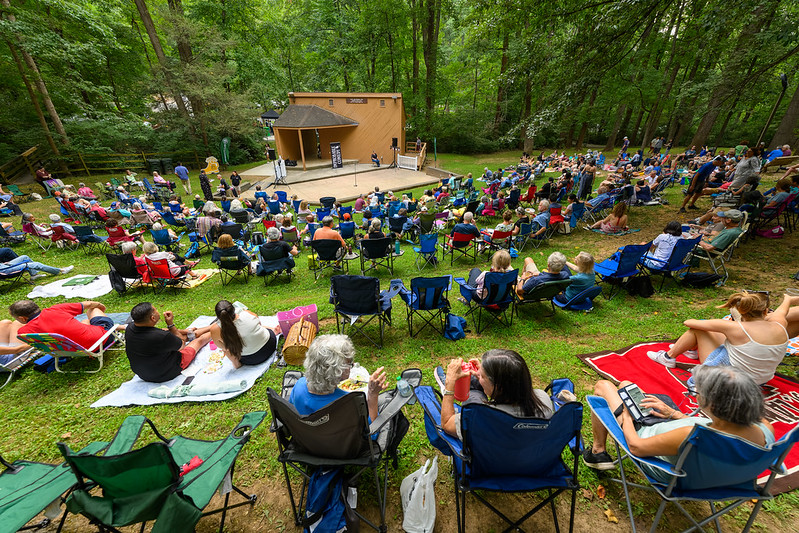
[
  {"x": 527, "y": 143},
  {"x": 584, "y": 127},
  {"x": 415, "y": 55},
  {"x": 390, "y": 39},
  {"x": 39, "y": 81},
  {"x": 503, "y": 67},
  {"x": 787, "y": 130},
  {"x": 611, "y": 144},
  {"x": 634, "y": 134},
  {"x": 430, "y": 29},
  {"x": 149, "y": 27}
]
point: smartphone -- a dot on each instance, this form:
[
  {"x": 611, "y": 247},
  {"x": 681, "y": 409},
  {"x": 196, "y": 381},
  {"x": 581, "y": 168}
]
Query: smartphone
[{"x": 632, "y": 396}]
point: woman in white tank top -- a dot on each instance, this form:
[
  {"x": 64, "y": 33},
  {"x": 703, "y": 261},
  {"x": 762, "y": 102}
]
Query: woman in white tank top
[
  {"x": 242, "y": 337},
  {"x": 752, "y": 343}
]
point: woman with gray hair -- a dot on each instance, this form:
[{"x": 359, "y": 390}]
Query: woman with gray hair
[
  {"x": 328, "y": 363},
  {"x": 730, "y": 398}
]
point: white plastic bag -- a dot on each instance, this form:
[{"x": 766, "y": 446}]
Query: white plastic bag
[{"x": 419, "y": 499}]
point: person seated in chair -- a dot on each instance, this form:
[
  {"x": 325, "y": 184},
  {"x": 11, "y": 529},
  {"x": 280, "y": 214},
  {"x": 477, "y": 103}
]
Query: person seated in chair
[
  {"x": 326, "y": 231},
  {"x": 227, "y": 248},
  {"x": 501, "y": 380},
  {"x": 86, "y": 192},
  {"x": 155, "y": 354},
  {"x": 500, "y": 262},
  {"x": 43, "y": 231},
  {"x": 467, "y": 226},
  {"x": 731, "y": 219},
  {"x": 172, "y": 235},
  {"x": 328, "y": 363},
  {"x": 375, "y": 231},
  {"x": 60, "y": 319},
  {"x": 178, "y": 266},
  {"x": 375, "y": 159},
  {"x": 728, "y": 396},
  {"x": 585, "y": 278},
  {"x": 10, "y": 345},
  {"x": 55, "y": 220},
  {"x": 532, "y": 277},
  {"x": 660, "y": 251},
  {"x": 241, "y": 336},
  {"x": 275, "y": 249}
]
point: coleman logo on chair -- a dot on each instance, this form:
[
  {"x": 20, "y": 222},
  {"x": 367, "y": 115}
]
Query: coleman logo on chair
[
  {"x": 530, "y": 425},
  {"x": 324, "y": 420}
]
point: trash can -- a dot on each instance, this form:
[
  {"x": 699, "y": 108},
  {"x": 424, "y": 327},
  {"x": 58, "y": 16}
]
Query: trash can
[
  {"x": 168, "y": 165},
  {"x": 154, "y": 165},
  {"x": 271, "y": 154}
]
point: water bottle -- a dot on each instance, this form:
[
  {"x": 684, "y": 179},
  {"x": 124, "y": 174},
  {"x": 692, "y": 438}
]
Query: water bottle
[
  {"x": 396, "y": 247},
  {"x": 404, "y": 388}
]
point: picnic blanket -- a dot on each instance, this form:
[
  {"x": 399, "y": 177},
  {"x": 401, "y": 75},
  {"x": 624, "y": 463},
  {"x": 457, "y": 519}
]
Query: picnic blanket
[
  {"x": 619, "y": 234},
  {"x": 89, "y": 291},
  {"x": 207, "y": 376},
  {"x": 631, "y": 363}
]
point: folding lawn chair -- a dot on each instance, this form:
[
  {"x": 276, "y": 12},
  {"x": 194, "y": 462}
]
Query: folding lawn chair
[
  {"x": 622, "y": 265},
  {"x": 677, "y": 261},
  {"x": 427, "y": 223},
  {"x": 161, "y": 276},
  {"x": 89, "y": 240},
  {"x": 426, "y": 251},
  {"x": 427, "y": 299},
  {"x": 339, "y": 436},
  {"x": 717, "y": 259},
  {"x": 12, "y": 275},
  {"x": 12, "y": 237},
  {"x": 18, "y": 194},
  {"x": 60, "y": 346},
  {"x": 149, "y": 484},
  {"x": 15, "y": 364},
  {"x": 170, "y": 218},
  {"x": 328, "y": 253},
  {"x": 236, "y": 231},
  {"x": 359, "y": 297},
  {"x": 711, "y": 466},
  {"x": 375, "y": 253},
  {"x": 42, "y": 241},
  {"x": 543, "y": 292},
  {"x": 505, "y": 453},
  {"x": 461, "y": 243},
  {"x": 273, "y": 268},
  {"x": 125, "y": 266},
  {"x": 231, "y": 263},
  {"x": 582, "y": 301},
  {"x": 578, "y": 212},
  {"x": 498, "y": 240},
  {"x": 327, "y": 202},
  {"x": 163, "y": 240},
  {"x": 396, "y": 223},
  {"x": 499, "y": 297}
]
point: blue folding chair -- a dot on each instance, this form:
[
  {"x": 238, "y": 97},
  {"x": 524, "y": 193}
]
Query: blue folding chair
[
  {"x": 225, "y": 205},
  {"x": 294, "y": 203},
  {"x": 158, "y": 206},
  {"x": 578, "y": 212},
  {"x": 347, "y": 230},
  {"x": 499, "y": 296},
  {"x": 274, "y": 207},
  {"x": 322, "y": 213},
  {"x": 262, "y": 194},
  {"x": 393, "y": 208},
  {"x": 711, "y": 466},
  {"x": 676, "y": 262},
  {"x": 282, "y": 197},
  {"x": 582, "y": 301},
  {"x": 426, "y": 251},
  {"x": 621, "y": 265},
  {"x": 345, "y": 210},
  {"x": 504, "y": 453},
  {"x": 170, "y": 219},
  {"x": 427, "y": 298},
  {"x": 161, "y": 238}
]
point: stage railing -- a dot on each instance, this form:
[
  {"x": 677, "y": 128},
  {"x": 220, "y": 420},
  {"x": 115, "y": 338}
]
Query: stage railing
[{"x": 407, "y": 162}]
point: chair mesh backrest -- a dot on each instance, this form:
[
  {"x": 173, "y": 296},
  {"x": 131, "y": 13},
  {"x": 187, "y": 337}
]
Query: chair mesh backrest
[
  {"x": 127, "y": 474},
  {"x": 327, "y": 201},
  {"x": 721, "y": 460},
  {"x": 502, "y": 445},
  {"x": 241, "y": 217},
  {"x": 376, "y": 248},
  {"x": 630, "y": 256},
  {"x": 680, "y": 251},
  {"x": 547, "y": 290},
  {"x": 159, "y": 268},
  {"x": 525, "y": 229},
  {"x": 347, "y": 229},
  {"x": 356, "y": 294},
  {"x": 282, "y": 196},
  {"x": 428, "y": 243},
  {"x": 326, "y": 249},
  {"x": 124, "y": 264},
  {"x": 395, "y": 224},
  {"x": 430, "y": 293},
  {"x": 274, "y": 207},
  {"x": 500, "y": 286},
  {"x": 426, "y": 221},
  {"x": 161, "y": 236},
  {"x": 337, "y": 431},
  {"x": 234, "y": 230}
]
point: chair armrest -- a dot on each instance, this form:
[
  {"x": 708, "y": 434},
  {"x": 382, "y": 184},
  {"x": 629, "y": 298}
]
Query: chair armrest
[
  {"x": 388, "y": 412},
  {"x": 462, "y": 283},
  {"x": 101, "y": 341}
]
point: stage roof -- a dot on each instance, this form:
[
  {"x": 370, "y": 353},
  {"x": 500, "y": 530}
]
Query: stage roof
[
  {"x": 311, "y": 116},
  {"x": 271, "y": 114}
]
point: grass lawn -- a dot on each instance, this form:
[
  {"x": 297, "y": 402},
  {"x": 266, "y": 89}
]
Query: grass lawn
[{"x": 43, "y": 409}]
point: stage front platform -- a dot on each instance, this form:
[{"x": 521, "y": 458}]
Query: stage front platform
[{"x": 314, "y": 183}]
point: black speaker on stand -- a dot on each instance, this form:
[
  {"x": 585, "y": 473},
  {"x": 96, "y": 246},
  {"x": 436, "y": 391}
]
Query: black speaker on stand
[{"x": 394, "y": 150}]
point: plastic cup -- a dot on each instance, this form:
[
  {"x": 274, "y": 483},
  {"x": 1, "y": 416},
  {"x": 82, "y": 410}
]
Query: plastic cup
[
  {"x": 212, "y": 345},
  {"x": 462, "y": 385}
]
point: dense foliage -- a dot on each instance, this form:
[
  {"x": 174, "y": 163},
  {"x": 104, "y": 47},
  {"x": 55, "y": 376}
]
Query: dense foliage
[{"x": 130, "y": 75}]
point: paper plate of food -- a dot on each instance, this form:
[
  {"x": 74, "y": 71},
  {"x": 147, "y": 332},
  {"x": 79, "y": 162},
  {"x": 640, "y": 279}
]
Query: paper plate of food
[{"x": 358, "y": 380}]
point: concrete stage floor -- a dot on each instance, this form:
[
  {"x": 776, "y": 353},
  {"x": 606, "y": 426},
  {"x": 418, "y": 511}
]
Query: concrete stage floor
[{"x": 313, "y": 184}]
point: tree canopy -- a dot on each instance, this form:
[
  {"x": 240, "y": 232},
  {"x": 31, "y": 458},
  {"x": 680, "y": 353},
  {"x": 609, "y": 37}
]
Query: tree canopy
[{"x": 132, "y": 75}]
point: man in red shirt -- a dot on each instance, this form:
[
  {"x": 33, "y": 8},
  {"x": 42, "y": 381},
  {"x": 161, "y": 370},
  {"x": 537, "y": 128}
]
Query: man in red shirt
[{"x": 60, "y": 319}]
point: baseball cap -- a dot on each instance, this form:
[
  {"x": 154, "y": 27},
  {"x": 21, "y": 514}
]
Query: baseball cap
[
  {"x": 346, "y": 216},
  {"x": 732, "y": 214}
]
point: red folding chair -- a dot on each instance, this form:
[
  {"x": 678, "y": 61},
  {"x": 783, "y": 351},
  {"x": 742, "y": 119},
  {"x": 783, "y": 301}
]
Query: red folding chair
[
  {"x": 162, "y": 277},
  {"x": 461, "y": 243}
]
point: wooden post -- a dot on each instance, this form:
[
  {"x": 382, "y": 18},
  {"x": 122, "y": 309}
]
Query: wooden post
[
  {"x": 197, "y": 160},
  {"x": 82, "y": 162},
  {"x": 302, "y": 150}
]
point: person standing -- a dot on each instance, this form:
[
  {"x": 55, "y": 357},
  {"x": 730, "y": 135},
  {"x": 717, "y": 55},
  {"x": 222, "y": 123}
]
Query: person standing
[
  {"x": 183, "y": 175},
  {"x": 697, "y": 185},
  {"x": 205, "y": 185},
  {"x": 41, "y": 176}
]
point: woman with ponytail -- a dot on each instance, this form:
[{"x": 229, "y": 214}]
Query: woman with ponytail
[
  {"x": 747, "y": 341},
  {"x": 241, "y": 336}
]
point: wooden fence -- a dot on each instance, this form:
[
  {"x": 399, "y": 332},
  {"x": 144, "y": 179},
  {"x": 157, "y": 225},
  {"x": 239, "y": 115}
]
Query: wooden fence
[{"x": 78, "y": 163}]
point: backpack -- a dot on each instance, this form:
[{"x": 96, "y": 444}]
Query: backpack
[
  {"x": 117, "y": 282},
  {"x": 700, "y": 280},
  {"x": 455, "y": 327},
  {"x": 771, "y": 233},
  {"x": 327, "y": 509},
  {"x": 640, "y": 286},
  {"x": 193, "y": 251}
]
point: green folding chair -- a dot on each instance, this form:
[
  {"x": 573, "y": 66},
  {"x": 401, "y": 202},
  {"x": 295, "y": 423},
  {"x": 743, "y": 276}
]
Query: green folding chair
[{"x": 147, "y": 484}]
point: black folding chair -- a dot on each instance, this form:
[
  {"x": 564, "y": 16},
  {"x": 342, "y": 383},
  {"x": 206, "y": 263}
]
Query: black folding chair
[
  {"x": 377, "y": 252},
  {"x": 359, "y": 297},
  {"x": 328, "y": 253},
  {"x": 232, "y": 262},
  {"x": 542, "y": 293},
  {"x": 339, "y": 436},
  {"x": 125, "y": 266}
]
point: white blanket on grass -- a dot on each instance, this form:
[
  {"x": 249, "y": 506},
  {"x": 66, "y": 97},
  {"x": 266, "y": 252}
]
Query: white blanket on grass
[
  {"x": 90, "y": 291},
  {"x": 135, "y": 391}
]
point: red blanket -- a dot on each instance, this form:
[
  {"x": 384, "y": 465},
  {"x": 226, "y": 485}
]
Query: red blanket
[{"x": 632, "y": 364}]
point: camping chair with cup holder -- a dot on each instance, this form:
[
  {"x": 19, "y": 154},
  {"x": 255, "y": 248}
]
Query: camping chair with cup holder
[
  {"x": 232, "y": 262},
  {"x": 678, "y": 261},
  {"x": 125, "y": 266},
  {"x": 426, "y": 251},
  {"x": 427, "y": 299},
  {"x": 376, "y": 253},
  {"x": 161, "y": 276},
  {"x": 621, "y": 266},
  {"x": 462, "y": 244},
  {"x": 497, "y": 298},
  {"x": 359, "y": 297},
  {"x": 90, "y": 241},
  {"x": 328, "y": 253}
]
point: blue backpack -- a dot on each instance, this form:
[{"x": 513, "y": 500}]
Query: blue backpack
[{"x": 455, "y": 328}]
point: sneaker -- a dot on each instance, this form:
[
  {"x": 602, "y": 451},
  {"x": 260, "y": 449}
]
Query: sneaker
[
  {"x": 693, "y": 221},
  {"x": 441, "y": 378},
  {"x": 691, "y": 354},
  {"x": 67, "y": 270},
  {"x": 661, "y": 357},
  {"x": 682, "y": 210},
  {"x": 693, "y": 207},
  {"x": 598, "y": 461},
  {"x": 38, "y": 276}
]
